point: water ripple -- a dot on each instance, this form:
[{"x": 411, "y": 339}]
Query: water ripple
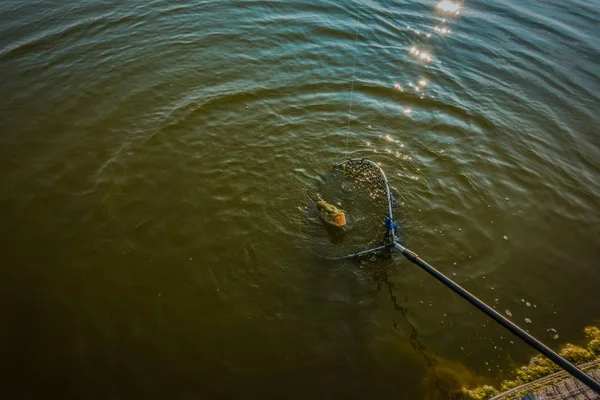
[{"x": 155, "y": 155}]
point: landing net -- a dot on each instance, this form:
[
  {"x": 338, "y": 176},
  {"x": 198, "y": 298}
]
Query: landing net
[{"x": 360, "y": 188}]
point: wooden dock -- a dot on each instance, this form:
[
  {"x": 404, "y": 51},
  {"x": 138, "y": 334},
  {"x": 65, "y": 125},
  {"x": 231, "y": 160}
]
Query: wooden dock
[{"x": 558, "y": 386}]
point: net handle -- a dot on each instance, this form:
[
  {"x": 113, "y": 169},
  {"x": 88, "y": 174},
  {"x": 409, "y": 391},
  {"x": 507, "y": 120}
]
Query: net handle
[{"x": 496, "y": 316}]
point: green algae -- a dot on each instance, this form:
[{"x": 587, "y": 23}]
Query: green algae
[{"x": 540, "y": 366}]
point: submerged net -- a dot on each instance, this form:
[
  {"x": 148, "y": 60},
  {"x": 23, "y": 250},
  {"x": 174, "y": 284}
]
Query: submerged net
[{"x": 360, "y": 188}]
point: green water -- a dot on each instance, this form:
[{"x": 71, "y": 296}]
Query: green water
[{"x": 153, "y": 161}]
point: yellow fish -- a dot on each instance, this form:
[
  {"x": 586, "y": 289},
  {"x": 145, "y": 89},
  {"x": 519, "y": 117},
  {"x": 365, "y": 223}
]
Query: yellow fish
[{"x": 330, "y": 213}]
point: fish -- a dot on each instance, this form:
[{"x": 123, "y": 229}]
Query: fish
[{"x": 331, "y": 214}]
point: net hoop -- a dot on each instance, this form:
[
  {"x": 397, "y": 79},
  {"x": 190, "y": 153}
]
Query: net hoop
[
  {"x": 384, "y": 178},
  {"x": 366, "y": 168}
]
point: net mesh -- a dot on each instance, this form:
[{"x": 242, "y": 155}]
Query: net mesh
[{"x": 359, "y": 187}]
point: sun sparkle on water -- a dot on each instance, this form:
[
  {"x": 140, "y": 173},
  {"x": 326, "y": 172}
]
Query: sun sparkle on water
[
  {"x": 448, "y": 6},
  {"x": 420, "y": 54}
]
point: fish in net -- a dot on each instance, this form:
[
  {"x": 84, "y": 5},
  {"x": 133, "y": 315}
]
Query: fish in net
[{"x": 360, "y": 188}]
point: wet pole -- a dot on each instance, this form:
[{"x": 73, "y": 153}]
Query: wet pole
[{"x": 490, "y": 312}]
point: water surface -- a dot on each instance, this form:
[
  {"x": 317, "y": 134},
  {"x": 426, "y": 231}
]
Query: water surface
[{"x": 153, "y": 162}]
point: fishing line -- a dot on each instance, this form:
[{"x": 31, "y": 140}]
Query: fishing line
[{"x": 353, "y": 74}]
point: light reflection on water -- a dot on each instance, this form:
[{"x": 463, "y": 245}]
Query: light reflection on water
[
  {"x": 449, "y": 6},
  {"x": 420, "y": 54}
]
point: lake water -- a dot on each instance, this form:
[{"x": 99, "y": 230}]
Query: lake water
[{"x": 153, "y": 164}]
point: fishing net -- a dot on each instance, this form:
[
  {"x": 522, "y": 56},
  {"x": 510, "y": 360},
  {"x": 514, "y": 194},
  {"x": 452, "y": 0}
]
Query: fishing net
[{"x": 360, "y": 188}]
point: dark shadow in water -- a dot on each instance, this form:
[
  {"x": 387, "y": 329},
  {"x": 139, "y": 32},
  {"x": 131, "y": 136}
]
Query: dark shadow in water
[
  {"x": 336, "y": 234},
  {"x": 379, "y": 272},
  {"x": 449, "y": 383}
]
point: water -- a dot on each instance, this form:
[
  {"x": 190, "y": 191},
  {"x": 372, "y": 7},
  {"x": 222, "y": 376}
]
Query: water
[{"x": 153, "y": 160}]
